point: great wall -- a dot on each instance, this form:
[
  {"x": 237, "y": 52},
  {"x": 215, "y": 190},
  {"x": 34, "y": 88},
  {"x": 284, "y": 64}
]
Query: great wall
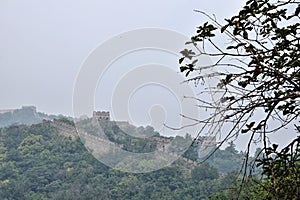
[{"x": 100, "y": 146}]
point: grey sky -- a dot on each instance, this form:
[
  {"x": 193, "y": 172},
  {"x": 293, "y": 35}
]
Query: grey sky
[{"x": 43, "y": 43}]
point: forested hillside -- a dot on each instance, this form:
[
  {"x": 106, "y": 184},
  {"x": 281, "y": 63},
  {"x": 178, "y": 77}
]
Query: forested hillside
[{"x": 37, "y": 162}]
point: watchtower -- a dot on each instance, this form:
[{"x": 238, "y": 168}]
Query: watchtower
[{"x": 101, "y": 115}]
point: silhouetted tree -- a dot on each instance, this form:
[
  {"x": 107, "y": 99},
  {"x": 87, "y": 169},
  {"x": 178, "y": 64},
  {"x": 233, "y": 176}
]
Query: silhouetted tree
[{"x": 258, "y": 71}]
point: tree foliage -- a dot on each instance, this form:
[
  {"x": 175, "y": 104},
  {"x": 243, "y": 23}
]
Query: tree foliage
[
  {"x": 282, "y": 172},
  {"x": 258, "y": 69}
]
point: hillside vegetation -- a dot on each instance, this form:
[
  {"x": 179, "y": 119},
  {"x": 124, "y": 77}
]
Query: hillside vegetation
[{"x": 38, "y": 162}]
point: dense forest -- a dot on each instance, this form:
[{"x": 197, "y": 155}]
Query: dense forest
[{"x": 38, "y": 162}]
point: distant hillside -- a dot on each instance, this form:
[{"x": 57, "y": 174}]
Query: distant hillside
[
  {"x": 115, "y": 136},
  {"x": 27, "y": 115},
  {"x": 225, "y": 161}
]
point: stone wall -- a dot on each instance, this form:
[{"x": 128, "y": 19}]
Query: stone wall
[{"x": 101, "y": 115}]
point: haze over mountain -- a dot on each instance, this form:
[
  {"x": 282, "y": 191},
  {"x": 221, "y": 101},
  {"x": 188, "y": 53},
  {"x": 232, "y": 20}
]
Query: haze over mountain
[{"x": 26, "y": 115}]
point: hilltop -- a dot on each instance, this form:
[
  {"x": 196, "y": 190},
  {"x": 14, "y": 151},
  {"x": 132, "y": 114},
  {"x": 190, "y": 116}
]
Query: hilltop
[
  {"x": 127, "y": 137},
  {"x": 26, "y": 115}
]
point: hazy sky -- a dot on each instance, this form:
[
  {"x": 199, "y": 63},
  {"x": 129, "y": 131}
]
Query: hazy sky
[{"x": 43, "y": 43}]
